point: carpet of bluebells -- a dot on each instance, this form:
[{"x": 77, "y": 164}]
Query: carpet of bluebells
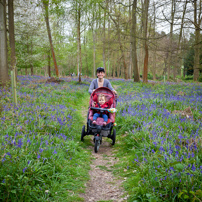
[
  {"x": 160, "y": 137},
  {"x": 41, "y": 157},
  {"x": 159, "y": 129}
]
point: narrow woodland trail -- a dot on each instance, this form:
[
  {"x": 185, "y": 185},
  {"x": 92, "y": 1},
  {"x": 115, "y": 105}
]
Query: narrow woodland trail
[{"x": 103, "y": 185}]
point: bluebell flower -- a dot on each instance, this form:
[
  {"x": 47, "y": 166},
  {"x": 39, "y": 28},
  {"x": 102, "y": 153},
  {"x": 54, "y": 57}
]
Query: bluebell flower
[
  {"x": 161, "y": 149},
  {"x": 193, "y": 167},
  {"x": 24, "y": 169},
  {"x": 136, "y": 159},
  {"x": 145, "y": 159}
]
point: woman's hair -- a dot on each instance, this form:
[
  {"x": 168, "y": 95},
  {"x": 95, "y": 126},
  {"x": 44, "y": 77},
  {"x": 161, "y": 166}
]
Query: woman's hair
[
  {"x": 100, "y": 96},
  {"x": 100, "y": 69}
]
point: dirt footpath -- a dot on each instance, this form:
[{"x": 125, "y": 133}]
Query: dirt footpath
[{"x": 103, "y": 186}]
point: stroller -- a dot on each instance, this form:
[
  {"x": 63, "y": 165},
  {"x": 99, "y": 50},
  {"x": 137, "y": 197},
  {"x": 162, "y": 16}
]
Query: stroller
[{"x": 99, "y": 130}]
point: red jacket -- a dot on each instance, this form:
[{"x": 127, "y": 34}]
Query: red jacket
[{"x": 105, "y": 105}]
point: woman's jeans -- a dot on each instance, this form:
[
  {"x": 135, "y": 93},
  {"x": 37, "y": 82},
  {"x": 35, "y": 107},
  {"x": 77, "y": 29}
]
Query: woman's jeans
[{"x": 104, "y": 116}]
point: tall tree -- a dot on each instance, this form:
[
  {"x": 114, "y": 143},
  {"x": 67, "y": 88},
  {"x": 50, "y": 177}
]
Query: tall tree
[
  {"x": 154, "y": 42},
  {"x": 4, "y": 78},
  {"x": 78, "y": 22},
  {"x": 134, "y": 46},
  {"x": 49, "y": 63},
  {"x": 180, "y": 35},
  {"x": 108, "y": 48},
  {"x": 12, "y": 35},
  {"x": 170, "y": 58},
  {"x": 104, "y": 40},
  {"x": 93, "y": 29},
  {"x": 130, "y": 70},
  {"x": 197, "y": 24},
  {"x": 46, "y": 5},
  {"x": 145, "y": 22}
]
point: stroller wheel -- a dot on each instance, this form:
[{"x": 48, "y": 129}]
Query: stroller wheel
[
  {"x": 83, "y": 133},
  {"x": 114, "y": 137},
  {"x": 97, "y": 141},
  {"x": 97, "y": 145}
]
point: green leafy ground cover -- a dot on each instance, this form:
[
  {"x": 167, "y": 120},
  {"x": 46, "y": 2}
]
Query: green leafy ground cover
[
  {"x": 159, "y": 128},
  {"x": 41, "y": 154},
  {"x": 158, "y": 141}
]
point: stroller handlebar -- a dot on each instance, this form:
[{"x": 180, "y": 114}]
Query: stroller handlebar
[
  {"x": 96, "y": 108},
  {"x": 111, "y": 110}
]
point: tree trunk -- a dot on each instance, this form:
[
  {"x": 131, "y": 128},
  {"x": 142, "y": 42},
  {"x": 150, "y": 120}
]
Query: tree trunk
[
  {"x": 145, "y": 70},
  {"x": 109, "y": 26},
  {"x": 155, "y": 46},
  {"x": 86, "y": 53},
  {"x": 28, "y": 62},
  {"x": 94, "y": 54},
  {"x": 94, "y": 40},
  {"x": 133, "y": 38},
  {"x": 180, "y": 35},
  {"x": 32, "y": 68},
  {"x": 197, "y": 23},
  {"x": 171, "y": 38},
  {"x": 12, "y": 35},
  {"x": 130, "y": 70},
  {"x": 4, "y": 78},
  {"x": 104, "y": 38},
  {"x": 79, "y": 61},
  {"x": 49, "y": 64},
  {"x": 114, "y": 65},
  {"x": 45, "y": 3}
]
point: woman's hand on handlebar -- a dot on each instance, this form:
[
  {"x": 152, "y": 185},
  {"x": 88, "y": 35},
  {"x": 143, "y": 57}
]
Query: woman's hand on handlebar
[{"x": 94, "y": 103}]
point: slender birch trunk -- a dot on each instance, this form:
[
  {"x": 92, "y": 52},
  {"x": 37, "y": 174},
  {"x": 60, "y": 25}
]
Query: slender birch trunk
[
  {"x": 104, "y": 41},
  {"x": 45, "y": 4}
]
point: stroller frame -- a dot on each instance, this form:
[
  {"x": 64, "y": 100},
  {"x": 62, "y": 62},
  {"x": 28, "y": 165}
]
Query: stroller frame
[{"x": 99, "y": 131}]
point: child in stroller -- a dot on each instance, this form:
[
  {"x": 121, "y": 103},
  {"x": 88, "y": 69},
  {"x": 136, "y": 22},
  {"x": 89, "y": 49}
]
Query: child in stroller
[
  {"x": 101, "y": 104},
  {"x": 101, "y": 129}
]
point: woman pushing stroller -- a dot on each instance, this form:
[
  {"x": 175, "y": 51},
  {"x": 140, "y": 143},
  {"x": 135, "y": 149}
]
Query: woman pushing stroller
[
  {"x": 100, "y": 81},
  {"x": 101, "y": 111}
]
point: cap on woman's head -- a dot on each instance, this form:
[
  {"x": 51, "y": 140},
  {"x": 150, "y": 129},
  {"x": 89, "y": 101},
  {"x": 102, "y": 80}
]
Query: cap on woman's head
[{"x": 100, "y": 69}]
